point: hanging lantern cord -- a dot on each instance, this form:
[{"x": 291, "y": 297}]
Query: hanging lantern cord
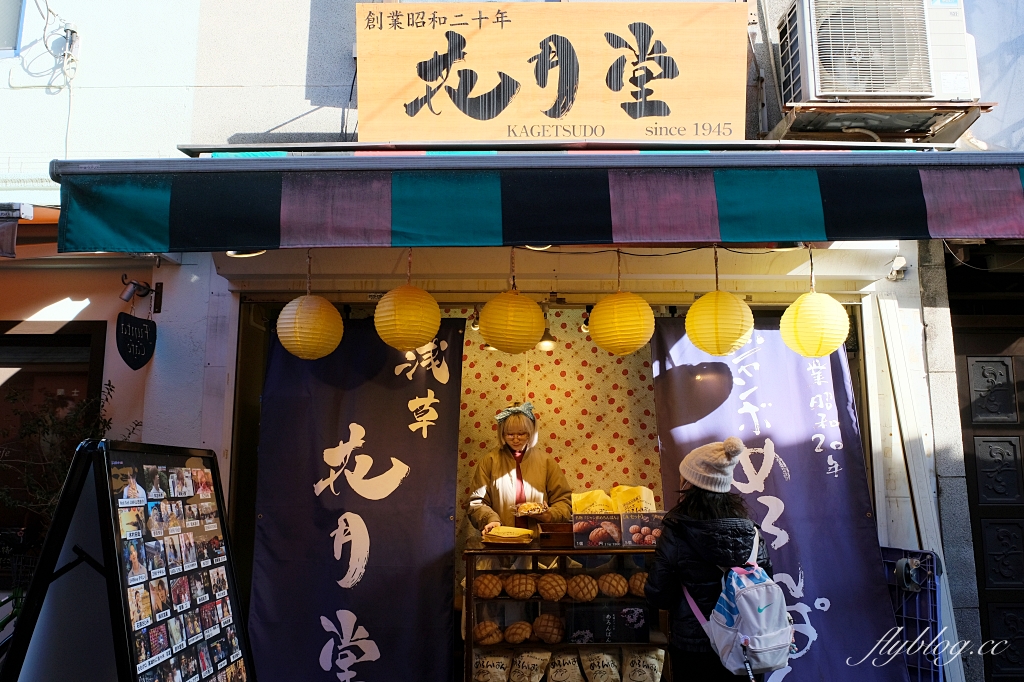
[
  {"x": 309, "y": 269},
  {"x": 512, "y": 268},
  {"x": 618, "y": 270},
  {"x": 810, "y": 254},
  {"x": 716, "y": 266},
  {"x": 408, "y": 269}
]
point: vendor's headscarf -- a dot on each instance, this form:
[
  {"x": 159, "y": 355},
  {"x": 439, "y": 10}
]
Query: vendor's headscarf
[{"x": 525, "y": 408}]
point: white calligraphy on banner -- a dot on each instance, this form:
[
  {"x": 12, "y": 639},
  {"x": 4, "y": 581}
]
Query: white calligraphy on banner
[
  {"x": 350, "y": 645},
  {"x": 351, "y": 528},
  {"x": 338, "y": 651},
  {"x": 827, "y": 421},
  {"x": 423, "y": 412},
  {"x": 430, "y": 355},
  {"x": 757, "y": 475}
]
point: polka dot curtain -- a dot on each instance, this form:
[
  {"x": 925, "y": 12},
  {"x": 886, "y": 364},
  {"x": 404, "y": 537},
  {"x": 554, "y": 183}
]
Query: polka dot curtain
[{"x": 595, "y": 411}]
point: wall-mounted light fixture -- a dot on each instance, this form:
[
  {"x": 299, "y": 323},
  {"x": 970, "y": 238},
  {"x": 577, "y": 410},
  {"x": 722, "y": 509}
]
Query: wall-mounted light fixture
[
  {"x": 899, "y": 269},
  {"x": 134, "y": 288},
  {"x": 245, "y": 254}
]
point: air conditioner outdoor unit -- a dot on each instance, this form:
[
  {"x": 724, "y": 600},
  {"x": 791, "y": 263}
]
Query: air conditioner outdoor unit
[{"x": 862, "y": 50}]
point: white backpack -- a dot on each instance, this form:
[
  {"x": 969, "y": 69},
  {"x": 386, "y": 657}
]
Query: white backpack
[{"x": 750, "y": 629}]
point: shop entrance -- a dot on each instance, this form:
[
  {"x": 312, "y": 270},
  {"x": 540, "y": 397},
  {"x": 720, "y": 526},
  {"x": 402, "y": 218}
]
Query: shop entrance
[{"x": 990, "y": 376}]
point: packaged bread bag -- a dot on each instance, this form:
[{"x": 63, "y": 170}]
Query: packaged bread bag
[
  {"x": 529, "y": 665},
  {"x": 593, "y": 502},
  {"x": 641, "y": 664},
  {"x": 565, "y": 667},
  {"x": 491, "y": 665},
  {"x": 601, "y": 666},
  {"x": 632, "y": 498}
]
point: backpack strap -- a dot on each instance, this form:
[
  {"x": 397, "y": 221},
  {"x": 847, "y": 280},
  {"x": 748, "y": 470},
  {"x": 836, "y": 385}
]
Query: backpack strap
[
  {"x": 693, "y": 607},
  {"x": 752, "y": 561}
]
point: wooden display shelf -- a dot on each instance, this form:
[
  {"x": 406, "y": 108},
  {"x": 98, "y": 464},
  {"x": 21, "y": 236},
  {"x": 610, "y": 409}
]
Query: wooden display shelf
[
  {"x": 564, "y": 600},
  {"x": 475, "y": 550},
  {"x": 660, "y": 643}
]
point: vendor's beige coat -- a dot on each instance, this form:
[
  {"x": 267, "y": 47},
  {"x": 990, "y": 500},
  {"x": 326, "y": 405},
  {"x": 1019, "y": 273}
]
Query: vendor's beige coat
[{"x": 494, "y": 492}]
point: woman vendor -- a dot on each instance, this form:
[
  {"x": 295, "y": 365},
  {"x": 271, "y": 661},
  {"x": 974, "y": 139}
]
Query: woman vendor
[{"x": 518, "y": 472}]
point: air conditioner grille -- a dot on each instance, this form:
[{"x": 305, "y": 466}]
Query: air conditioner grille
[
  {"x": 872, "y": 46},
  {"x": 789, "y": 49}
]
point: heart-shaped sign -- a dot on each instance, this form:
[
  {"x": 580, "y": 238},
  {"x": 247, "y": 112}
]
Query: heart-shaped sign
[{"x": 136, "y": 340}]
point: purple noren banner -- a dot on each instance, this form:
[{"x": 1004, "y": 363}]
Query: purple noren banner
[
  {"x": 355, "y": 538},
  {"x": 804, "y": 481}
]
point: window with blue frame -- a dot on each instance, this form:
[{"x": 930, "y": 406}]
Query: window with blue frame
[{"x": 12, "y": 13}]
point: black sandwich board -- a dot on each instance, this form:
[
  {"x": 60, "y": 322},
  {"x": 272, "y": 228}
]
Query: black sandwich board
[{"x": 135, "y": 580}]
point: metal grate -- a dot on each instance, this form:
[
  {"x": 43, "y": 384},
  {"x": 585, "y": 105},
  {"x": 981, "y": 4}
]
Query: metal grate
[
  {"x": 876, "y": 47},
  {"x": 789, "y": 55},
  {"x": 916, "y": 612}
]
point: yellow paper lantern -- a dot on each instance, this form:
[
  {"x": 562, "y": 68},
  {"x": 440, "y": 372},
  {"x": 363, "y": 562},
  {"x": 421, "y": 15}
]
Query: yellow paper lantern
[
  {"x": 815, "y": 325},
  {"x": 407, "y": 318},
  {"x": 719, "y": 322},
  {"x": 621, "y": 323},
  {"x": 511, "y": 322},
  {"x": 310, "y": 327}
]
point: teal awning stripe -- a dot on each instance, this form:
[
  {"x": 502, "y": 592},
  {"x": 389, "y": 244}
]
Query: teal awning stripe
[
  {"x": 258, "y": 203},
  {"x": 769, "y": 205},
  {"x": 446, "y": 208},
  {"x": 121, "y": 213}
]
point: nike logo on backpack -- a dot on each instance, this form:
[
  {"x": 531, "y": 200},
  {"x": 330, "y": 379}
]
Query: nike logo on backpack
[{"x": 760, "y": 609}]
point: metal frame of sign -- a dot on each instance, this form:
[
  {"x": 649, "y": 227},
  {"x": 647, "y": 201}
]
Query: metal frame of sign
[{"x": 94, "y": 456}]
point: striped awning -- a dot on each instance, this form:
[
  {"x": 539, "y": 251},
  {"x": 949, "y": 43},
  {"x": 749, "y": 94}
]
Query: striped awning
[{"x": 492, "y": 199}]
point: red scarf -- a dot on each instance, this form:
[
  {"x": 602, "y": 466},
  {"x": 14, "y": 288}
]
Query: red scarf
[{"x": 520, "y": 487}]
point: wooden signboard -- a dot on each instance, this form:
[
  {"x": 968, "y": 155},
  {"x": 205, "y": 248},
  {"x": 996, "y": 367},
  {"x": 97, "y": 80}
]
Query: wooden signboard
[
  {"x": 135, "y": 580},
  {"x": 551, "y": 72}
]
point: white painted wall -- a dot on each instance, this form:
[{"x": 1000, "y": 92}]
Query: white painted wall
[
  {"x": 273, "y": 71},
  {"x": 189, "y": 394},
  {"x": 131, "y": 95}
]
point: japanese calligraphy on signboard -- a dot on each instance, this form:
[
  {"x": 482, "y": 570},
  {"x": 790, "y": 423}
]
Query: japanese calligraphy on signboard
[{"x": 551, "y": 71}]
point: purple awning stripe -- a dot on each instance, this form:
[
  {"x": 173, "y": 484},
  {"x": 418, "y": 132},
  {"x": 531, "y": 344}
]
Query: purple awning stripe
[
  {"x": 969, "y": 203},
  {"x": 535, "y": 198},
  {"x": 652, "y": 206},
  {"x": 350, "y": 208}
]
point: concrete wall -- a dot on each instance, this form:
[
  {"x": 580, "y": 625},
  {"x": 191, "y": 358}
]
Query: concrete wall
[{"x": 954, "y": 513}]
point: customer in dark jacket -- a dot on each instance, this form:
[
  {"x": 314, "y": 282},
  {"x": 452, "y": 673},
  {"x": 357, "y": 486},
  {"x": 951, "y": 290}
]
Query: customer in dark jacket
[{"x": 709, "y": 528}]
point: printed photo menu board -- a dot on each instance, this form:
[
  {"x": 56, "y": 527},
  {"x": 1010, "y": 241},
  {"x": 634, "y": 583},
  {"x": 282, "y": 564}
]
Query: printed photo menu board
[{"x": 181, "y": 604}]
